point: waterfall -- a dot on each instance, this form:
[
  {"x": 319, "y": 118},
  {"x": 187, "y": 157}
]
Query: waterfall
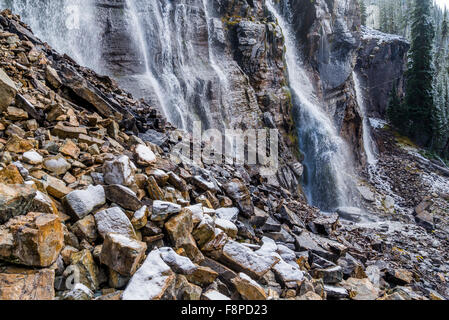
[
  {"x": 68, "y": 26},
  {"x": 368, "y": 143},
  {"x": 328, "y": 177},
  {"x": 148, "y": 77},
  {"x": 172, "y": 60}
]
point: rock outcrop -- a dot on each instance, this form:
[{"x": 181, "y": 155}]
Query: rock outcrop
[{"x": 381, "y": 62}]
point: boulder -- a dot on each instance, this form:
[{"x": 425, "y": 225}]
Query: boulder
[
  {"x": 178, "y": 263},
  {"x": 151, "y": 281},
  {"x": 56, "y": 188},
  {"x": 202, "y": 276},
  {"x": 79, "y": 293},
  {"x": 230, "y": 214},
  {"x": 122, "y": 254},
  {"x": 114, "y": 220},
  {"x": 58, "y": 165},
  {"x": 70, "y": 149},
  {"x": 8, "y": 90},
  {"x": 153, "y": 189},
  {"x": 62, "y": 131},
  {"x": 399, "y": 276},
  {"x": 80, "y": 203},
  {"x": 144, "y": 155},
  {"x": 227, "y": 226},
  {"x": 225, "y": 274},
  {"x": 179, "y": 229},
  {"x": 361, "y": 289},
  {"x": 248, "y": 288},
  {"x": 214, "y": 295},
  {"x": 330, "y": 275},
  {"x": 289, "y": 275},
  {"x": 16, "y": 114},
  {"x": 84, "y": 269},
  {"x": 86, "y": 228},
  {"x": 238, "y": 192},
  {"x": 32, "y": 157},
  {"x": 163, "y": 209},
  {"x": 204, "y": 231},
  {"x": 242, "y": 259},
  {"x": 139, "y": 219},
  {"x": 366, "y": 193},
  {"x": 10, "y": 175},
  {"x": 185, "y": 290},
  {"x": 123, "y": 196},
  {"x": 335, "y": 292},
  {"x": 17, "y": 144},
  {"x": 350, "y": 213},
  {"x": 119, "y": 171},
  {"x": 26, "y": 284},
  {"x": 35, "y": 239},
  {"x": 52, "y": 77}
]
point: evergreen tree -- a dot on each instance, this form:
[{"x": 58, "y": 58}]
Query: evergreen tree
[
  {"x": 363, "y": 13},
  {"x": 439, "y": 120},
  {"x": 396, "y": 111},
  {"x": 419, "y": 91}
]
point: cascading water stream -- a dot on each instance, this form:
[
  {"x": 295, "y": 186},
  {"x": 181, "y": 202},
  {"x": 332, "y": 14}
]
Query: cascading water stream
[
  {"x": 148, "y": 76},
  {"x": 328, "y": 177},
  {"x": 368, "y": 143}
]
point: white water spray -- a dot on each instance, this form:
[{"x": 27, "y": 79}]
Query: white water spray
[{"x": 329, "y": 182}]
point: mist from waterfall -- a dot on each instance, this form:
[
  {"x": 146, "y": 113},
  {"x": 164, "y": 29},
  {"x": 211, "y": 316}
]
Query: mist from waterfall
[{"x": 328, "y": 178}]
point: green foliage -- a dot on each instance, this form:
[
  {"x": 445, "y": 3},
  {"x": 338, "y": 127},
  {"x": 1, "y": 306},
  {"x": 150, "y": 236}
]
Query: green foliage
[
  {"x": 363, "y": 13},
  {"x": 397, "y": 112},
  {"x": 420, "y": 73}
]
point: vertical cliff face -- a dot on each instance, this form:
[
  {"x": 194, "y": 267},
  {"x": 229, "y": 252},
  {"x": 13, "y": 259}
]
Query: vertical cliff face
[{"x": 381, "y": 63}]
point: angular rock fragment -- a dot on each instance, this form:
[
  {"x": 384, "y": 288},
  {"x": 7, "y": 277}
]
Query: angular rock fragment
[
  {"x": 361, "y": 289},
  {"x": 248, "y": 288},
  {"x": 26, "y": 284},
  {"x": 114, "y": 220},
  {"x": 123, "y": 196},
  {"x": 86, "y": 228},
  {"x": 122, "y": 254},
  {"x": 202, "y": 276},
  {"x": 84, "y": 269},
  {"x": 238, "y": 192},
  {"x": 179, "y": 264},
  {"x": 151, "y": 281},
  {"x": 15, "y": 200},
  {"x": 58, "y": 165},
  {"x": 242, "y": 259},
  {"x": 119, "y": 171},
  {"x": 32, "y": 157},
  {"x": 80, "y": 203},
  {"x": 227, "y": 226},
  {"x": 163, "y": 209},
  {"x": 8, "y": 90},
  {"x": 179, "y": 229},
  {"x": 214, "y": 295},
  {"x": 35, "y": 239},
  {"x": 144, "y": 155}
]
